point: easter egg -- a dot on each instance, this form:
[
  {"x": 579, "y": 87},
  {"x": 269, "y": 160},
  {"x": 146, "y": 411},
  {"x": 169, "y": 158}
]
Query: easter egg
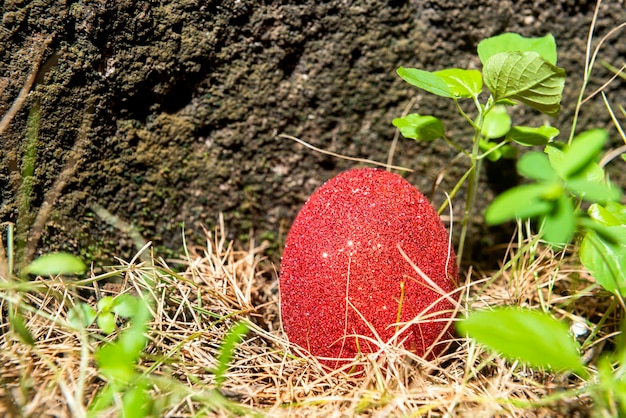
[{"x": 348, "y": 277}]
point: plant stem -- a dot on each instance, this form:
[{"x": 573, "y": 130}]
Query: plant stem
[{"x": 472, "y": 186}]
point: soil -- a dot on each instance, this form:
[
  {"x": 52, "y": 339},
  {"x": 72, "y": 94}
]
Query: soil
[{"x": 174, "y": 108}]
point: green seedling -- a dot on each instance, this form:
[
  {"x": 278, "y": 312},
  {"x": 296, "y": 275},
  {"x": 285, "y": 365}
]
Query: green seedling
[
  {"x": 567, "y": 194},
  {"x": 515, "y": 70}
]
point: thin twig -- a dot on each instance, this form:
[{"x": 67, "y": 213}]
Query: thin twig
[
  {"x": 333, "y": 154},
  {"x": 21, "y": 97}
]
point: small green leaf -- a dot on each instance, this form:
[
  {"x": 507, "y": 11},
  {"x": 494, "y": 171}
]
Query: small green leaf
[
  {"x": 487, "y": 149},
  {"x": 612, "y": 214},
  {"x": 605, "y": 261},
  {"x": 421, "y": 128},
  {"x": 584, "y": 149},
  {"x": 106, "y": 322},
  {"x": 227, "y": 350},
  {"x": 106, "y": 304},
  {"x": 510, "y": 42},
  {"x": 56, "y": 263},
  {"x": 497, "y": 123},
  {"x": 462, "y": 83},
  {"x": 115, "y": 363},
  {"x": 81, "y": 315},
  {"x": 525, "y": 135},
  {"x": 137, "y": 401},
  {"x": 526, "y": 77},
  {"x": 603, "y": 249},
  {"x": 19, "y": 327},
  {"x": 426, "y": 80},
  {"x": 523, "y": 202},
  {"x": 125, "y": 305},
  {"x": 133, "y": 339},
  {"x": 536, "y": 165},
  {"x": 559, "y": 224},
  {"x": 532, "y": 337},
  {"x": 509, "y": 152}
]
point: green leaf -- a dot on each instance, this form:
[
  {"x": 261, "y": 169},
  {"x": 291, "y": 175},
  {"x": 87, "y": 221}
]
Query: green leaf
[
  {"x": 487, "y": 149},
  {"x": 559, "y": 225},
  {"x": 526, "y": 77},
  {"x": 497, "y": 122},
  {"x": 106, "y": 304},
  {"x": 462, "y": 83},
  {"x": 125, "y": 305},
  {"x": 510, "y": 42},
  {"x": 56, "y": 263},
  {"x": 525, "y": 135},
  {"x": 603, "y": 249},
  {"x": 133, "y": 339},
  {"x": 523, "y": 202},
  {"x": 137, "y": 401},
  {"x": 508, "y": 151},
  {"x": 421, "y": 128},
  {"x": 594, "y": 191},
  {"x": 426, "y": 80},
  {"x": 81, "y": 315},
  {"x": 584, "y": 149},
  {"x": 612, "y": 214},
  {"x": 532, "y": 337},
  {"x": 536, "y": 165},
  {"x": 605, "y": 261},
  {"x": 227, "y": 350},
  {"x": 115, "y": 363},
  {"x": 106, "y": 322},
  {"x": 556, "y": 154},
  {"x": 19, "y": 327}
]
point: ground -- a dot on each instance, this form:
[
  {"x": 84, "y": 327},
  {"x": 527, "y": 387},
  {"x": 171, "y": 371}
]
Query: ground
[{"x": 174, "y": 109}]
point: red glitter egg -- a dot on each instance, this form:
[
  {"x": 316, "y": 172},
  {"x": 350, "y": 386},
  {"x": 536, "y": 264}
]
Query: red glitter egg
[{"x": 345, "y": 285}]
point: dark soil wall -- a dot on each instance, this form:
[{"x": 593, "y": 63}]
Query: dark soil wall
[{"x": 182, "y": 102}]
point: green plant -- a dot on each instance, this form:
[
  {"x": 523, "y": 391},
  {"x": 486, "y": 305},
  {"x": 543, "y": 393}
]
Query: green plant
[
  {"x": 568, "y": 195},
  {"x": 515, "y": 69}
]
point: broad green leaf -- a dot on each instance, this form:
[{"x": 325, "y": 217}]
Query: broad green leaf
[
  {"x": 497, "y": 123},
  {"x": 605, "y": 261},
  {"x": 532, "y": 337},
  {"x": 584, "y": 149},
  {"x": 594, "y": 191},
  {"x": 536, "y": 165},
  {"x": 426, "y": 80},
  {"x": 56, "y": 263},
  {"x": 559, "y": 225},
  {"x": 227, "y": 350},
  {"x": 523, "y": 202},
  {"x": 462, "y": 83},
  {"x": 510, "y": 42},
  {"x": 526, "y": 77},
  {"x": 106, "y": 322},
  {"x": 421, "y": 128},
  {"x": 525, "y": 135}
]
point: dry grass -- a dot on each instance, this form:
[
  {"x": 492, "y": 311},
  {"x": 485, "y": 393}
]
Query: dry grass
[{"x": 194, "y": 310}]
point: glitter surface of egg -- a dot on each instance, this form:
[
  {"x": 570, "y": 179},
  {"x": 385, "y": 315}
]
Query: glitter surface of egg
[{"x": 345, "y": 285}]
